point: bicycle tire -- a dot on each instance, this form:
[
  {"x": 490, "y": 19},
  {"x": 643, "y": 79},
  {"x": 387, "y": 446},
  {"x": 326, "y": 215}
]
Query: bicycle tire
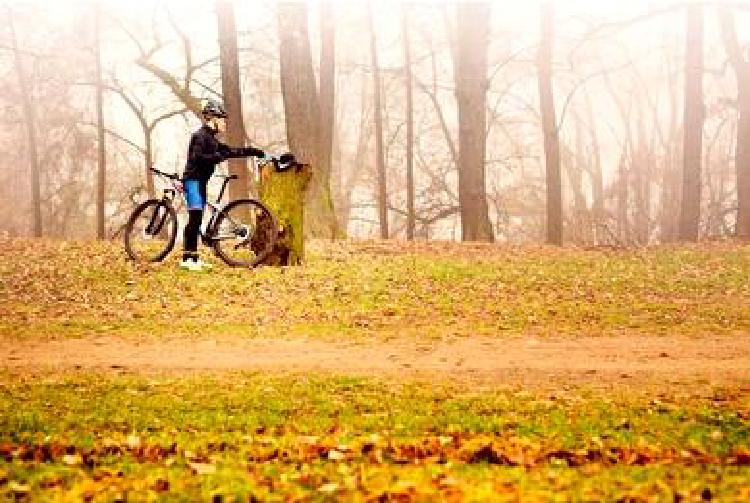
[
  {"x": 160, "y": 221},
  {"x": 249, "y": 243}
]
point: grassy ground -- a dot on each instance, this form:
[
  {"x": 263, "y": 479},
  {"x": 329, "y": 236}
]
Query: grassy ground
[
  {"x": 277, "y": 437},
  {"x": 287, "y": 437},
  {"x": 76, "y": 289}
]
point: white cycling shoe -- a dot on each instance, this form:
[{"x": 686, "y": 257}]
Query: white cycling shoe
[{"x": 196, "y": 265}]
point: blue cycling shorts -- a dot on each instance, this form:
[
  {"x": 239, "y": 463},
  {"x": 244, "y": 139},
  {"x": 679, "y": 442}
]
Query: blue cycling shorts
[{"x": 195, "y": 194}]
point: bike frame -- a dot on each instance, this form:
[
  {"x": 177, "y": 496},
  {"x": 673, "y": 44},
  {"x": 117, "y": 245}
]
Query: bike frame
[{"x": 208, "y": 237}]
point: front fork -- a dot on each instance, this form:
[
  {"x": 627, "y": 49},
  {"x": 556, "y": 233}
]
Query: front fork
[{"x": 156, "y": 223}]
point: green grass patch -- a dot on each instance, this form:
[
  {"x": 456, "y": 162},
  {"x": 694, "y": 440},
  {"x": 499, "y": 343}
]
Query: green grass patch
[
  {"x": 50, "y": 288},
  {"x": 236, "y": 435}
]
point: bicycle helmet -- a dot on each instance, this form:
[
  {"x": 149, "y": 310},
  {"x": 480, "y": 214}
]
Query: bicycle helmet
[{"x": 213, "y": 108}]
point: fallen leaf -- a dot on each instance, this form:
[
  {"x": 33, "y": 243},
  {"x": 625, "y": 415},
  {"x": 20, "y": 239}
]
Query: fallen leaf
[
  {"x": 202, "y": 468},
  {"x": 335, "y": 455},
  {"x": 72, "y": 459},
  {"x": 741, "y": 456},
  {"x": 133, "y": 441},
  {"x": 19, "y": 488},
  {"x": 160, "y": 485},
  {"x": 329, "y": 488}
]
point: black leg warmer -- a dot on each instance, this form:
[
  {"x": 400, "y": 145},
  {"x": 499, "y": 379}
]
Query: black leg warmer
[{"x": 192, "y": 229}]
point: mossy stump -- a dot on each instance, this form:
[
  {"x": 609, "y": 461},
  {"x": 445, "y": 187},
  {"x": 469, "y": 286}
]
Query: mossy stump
[{"x": 283, "y": 192}]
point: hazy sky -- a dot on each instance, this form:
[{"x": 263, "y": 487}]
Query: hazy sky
[
  {"x": 519, "y": 18},
  {"x": 653, "y": 46},
  {"x": 516, "y": 21}
]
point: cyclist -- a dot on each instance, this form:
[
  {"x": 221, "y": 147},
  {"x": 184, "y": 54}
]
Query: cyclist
[{"x": 204, "y": 153}]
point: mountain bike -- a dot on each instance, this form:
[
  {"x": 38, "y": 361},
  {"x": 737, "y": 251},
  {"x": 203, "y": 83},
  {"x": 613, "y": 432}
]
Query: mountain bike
[{"x": 242, "y": 232}]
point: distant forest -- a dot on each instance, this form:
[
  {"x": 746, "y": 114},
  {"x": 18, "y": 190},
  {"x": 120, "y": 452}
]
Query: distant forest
[{"x": 623, "y": 126}]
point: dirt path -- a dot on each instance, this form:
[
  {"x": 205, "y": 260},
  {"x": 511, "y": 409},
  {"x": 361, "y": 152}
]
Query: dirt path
[{"x": 604, "y": 360}]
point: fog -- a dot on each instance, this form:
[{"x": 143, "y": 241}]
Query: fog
[{"x": 618, "y": 84}]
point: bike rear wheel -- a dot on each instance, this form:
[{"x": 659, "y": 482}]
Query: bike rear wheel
[
  {"x": 245, "y": 233},
  {"x": 151, "y": 231}
]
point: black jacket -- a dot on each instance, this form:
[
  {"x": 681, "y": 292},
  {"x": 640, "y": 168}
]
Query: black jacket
[{"x": 205, "y": 152}]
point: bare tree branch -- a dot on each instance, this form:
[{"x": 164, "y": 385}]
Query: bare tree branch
[
  {"x": 581, "y": 83},
  {"x": 167, "y": 115},
  {"x": 441, "y": 119},
  {"x": 116, "y": 135}
]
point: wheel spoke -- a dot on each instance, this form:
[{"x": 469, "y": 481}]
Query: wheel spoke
[
  {"x": 232, "y": 220},
  {"x": 150, "y": 232},
  {"x": 252, "y": 232}
]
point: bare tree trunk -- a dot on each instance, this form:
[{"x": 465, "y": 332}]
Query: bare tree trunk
[
  {"x": 301, "y": 109},
  {"x": 410, "y": 215},
  {"x": 230, "y": 86},
  {"x": 549, "y": 128},
  {"x": 623, "y": 225},
  {"x": 327, "y": 109},
  {"x": 148, "y": 157},
  {"x": 101, "y": 147},
  {"x": 741, "y": 66},
  {"x": 597, "y": 180},
  {"x": 647, "y": 193},
  {"x": 470, "y": 74},
  {"x": 575, "y": 176},
  {"x": 363, "y": 140},
  {"x": 377, "y": 115},
  {"x": 670, "y": 198},
  {"x": 714, "y": 182},
  {"x": 693, "y": 130},
  {"x": 302, "y": 114},
  {"x": 670, "y": 194},
  {"x": 29, "y": 112},
  {"x": 742, "y": 157},
  {"x": 640, "y": 160}
]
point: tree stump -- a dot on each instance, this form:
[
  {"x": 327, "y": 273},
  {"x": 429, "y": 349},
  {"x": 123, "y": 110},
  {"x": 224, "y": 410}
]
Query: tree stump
[{"x": 283, "y": 192}]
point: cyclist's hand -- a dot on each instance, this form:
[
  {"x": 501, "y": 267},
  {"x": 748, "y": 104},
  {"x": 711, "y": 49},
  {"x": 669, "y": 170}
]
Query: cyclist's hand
[{"x": 224, "y": 153}]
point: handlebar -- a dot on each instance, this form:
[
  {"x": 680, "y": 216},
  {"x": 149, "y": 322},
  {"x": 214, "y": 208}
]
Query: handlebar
[
  {"x": 284, "y": 162},
  {"x": 171, "y": 176}
]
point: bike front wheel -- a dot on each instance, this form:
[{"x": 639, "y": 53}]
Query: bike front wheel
[
  {"x": 151, "y": 231},
  {"x": 245, "y": 233}
]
